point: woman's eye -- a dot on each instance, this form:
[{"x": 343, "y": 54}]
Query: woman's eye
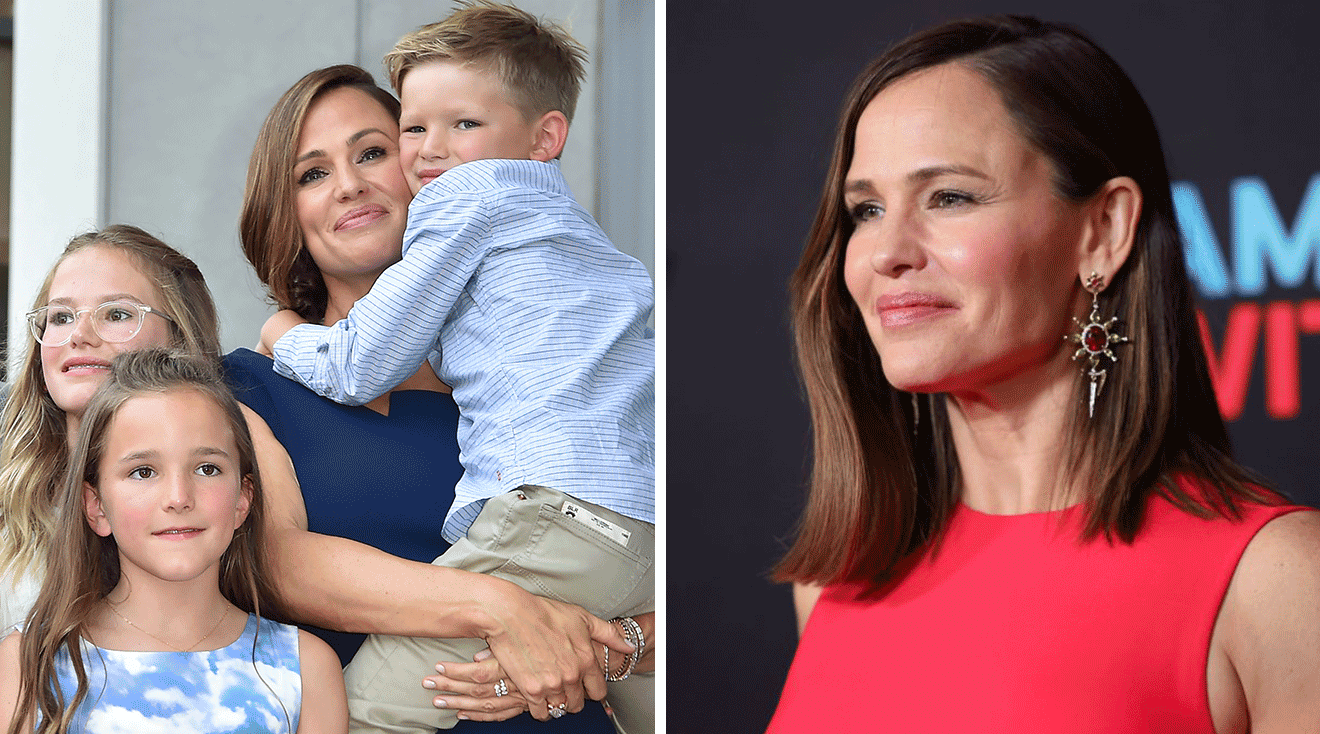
[
  {"x": 142, "y": 472},
  {"x": 371, "y": 154},
  {"x": 947, "y": 199},
  {"x": 865, "y": 212},
  {"x": 119, "y": 314},
  {"x": 312, "y": 174},
  {"x": 208, "y": 470},
  {"x": 467, "y": 125}
]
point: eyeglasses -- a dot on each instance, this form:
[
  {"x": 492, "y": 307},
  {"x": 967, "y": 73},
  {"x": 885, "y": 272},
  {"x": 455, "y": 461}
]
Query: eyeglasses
[{"x": 115, "y": 321}]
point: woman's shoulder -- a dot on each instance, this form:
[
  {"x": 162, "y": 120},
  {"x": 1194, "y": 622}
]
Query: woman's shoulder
[{"x": 1270, "y": 622}]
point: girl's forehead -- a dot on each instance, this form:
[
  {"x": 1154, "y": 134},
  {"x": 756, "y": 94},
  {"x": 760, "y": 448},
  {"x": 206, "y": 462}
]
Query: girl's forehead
[
  {"x": 101, "y": 273},
  {"x": 177, "y": 418}
]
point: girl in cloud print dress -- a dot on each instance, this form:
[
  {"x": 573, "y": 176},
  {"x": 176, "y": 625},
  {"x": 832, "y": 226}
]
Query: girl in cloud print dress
[{"x": 149, "y": 618}]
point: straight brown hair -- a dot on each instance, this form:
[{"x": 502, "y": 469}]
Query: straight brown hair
[
  {"x": 83, "y": 568},
  {"x": 888, "y": 493},
  {"x": 268, "y": 225}
]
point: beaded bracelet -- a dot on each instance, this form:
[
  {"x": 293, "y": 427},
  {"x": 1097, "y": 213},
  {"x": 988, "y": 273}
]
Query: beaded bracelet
[{"x": 632, "y": 632}]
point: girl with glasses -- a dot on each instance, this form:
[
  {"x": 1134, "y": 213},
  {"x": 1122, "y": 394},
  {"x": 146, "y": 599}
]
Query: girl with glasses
[
  {"x": 111, "y": 291},
  {"x": 113, "y": 321}
]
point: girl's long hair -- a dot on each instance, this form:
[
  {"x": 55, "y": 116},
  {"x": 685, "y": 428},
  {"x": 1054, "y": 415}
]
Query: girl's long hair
[
  {"x": 34, "y": 450},
  {"x": 879, "y": 494},
  {"x": 83, "y": 567}
]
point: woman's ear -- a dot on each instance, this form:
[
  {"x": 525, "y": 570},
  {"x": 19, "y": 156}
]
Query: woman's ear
[
  {"x": 245, "y": 491},
  {"x": 551, "y": 135},
  {"x": 95, "y": 513},
  {"x": 1115, "y": 211}
]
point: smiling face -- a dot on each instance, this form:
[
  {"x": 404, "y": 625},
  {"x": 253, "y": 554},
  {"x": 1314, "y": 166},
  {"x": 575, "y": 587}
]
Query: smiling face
[
  {"x": 169, "y": 487},
  {"x": 351, "y": 197},
  {"x": 84, "y": 280},
  {"x": 456, "y": 113},
  {"x": 963, "y": 260}
]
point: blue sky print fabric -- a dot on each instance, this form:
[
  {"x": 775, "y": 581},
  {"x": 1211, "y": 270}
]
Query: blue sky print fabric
[{"x": 210, "y": 692}]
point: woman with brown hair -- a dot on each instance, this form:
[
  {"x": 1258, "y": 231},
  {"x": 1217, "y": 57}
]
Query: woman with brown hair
[
  {"x": 323, "y": 217},
  {"x": 1030, "y": 545}
]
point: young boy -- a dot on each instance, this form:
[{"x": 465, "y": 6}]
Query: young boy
[{"x": 537, "y": 322}]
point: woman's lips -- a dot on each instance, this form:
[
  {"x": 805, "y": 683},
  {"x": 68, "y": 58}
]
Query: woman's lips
[
  {"x": 360, "y": 217},
  {"x": 902, "y": 309}
]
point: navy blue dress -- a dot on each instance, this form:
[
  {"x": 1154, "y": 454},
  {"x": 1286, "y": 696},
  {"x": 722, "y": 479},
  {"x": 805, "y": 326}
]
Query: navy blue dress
[{"x": 386, "y": 481}]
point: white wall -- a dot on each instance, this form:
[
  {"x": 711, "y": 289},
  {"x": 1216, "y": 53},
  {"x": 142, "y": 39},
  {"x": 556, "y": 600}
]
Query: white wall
[{"x": 145, "y": 111}]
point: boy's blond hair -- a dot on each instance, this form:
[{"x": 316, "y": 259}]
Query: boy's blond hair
[{"x": 539, "y": 63}]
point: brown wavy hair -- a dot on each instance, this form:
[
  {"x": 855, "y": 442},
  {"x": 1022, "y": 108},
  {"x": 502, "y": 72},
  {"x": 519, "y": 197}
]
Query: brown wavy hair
[
  {"x": 268, "y": 225},
  {"x": 888, "y": 494},
  {"x": 35, "y": 447},
  {"x": 83, "y": 568}
]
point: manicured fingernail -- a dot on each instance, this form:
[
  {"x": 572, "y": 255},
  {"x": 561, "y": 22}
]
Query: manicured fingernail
[
  {"x": 482, "y": 655},
  {"x": 462, "y": 716},
  {"x": 428, "y": 683},
  {"x": 439, "y": 668},
  {"x": 440, "y": 703}
]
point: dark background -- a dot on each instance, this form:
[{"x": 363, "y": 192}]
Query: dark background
[{"x": 754, "y": 93}]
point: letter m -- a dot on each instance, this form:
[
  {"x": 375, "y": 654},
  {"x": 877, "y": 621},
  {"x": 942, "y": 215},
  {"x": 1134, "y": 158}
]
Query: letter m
[{"x": 1259, "y": 237}]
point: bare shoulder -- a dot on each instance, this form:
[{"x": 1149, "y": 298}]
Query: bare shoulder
[
  {"x": 1283, "y": 557},
  {"x": 325, "y": 705},
  {"x": 10, "y": 653},
  {"x": 10, "y": 648},
  {"x": 1271, "y": 617},
  {"x": 316, "y": 654}
]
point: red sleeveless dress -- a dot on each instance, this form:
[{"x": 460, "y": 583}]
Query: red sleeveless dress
[{"x": 1015, "y": 625}]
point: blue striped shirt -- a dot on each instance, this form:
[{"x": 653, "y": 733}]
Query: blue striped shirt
[{"x": 532, "y": 316}]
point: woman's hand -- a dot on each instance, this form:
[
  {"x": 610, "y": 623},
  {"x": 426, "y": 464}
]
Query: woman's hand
[
  {"x": 483, "y": 691},
  {"x": 480, "y": 691},
  {"x": 548, "y": 648}
]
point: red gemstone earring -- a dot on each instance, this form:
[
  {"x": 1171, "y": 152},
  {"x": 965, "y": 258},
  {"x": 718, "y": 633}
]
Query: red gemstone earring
[{"x": 1095, "y": 337}]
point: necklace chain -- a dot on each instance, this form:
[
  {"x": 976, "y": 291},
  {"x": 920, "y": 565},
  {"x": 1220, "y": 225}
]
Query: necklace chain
[{"x": 163, "y": 642}]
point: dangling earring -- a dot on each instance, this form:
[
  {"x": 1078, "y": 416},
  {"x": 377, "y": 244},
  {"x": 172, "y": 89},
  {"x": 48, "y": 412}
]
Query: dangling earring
[
  {"x": 1095, "y": 337},
  {"x": 916, "y": 415}
]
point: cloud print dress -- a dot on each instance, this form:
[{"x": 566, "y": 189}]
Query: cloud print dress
[{"x": 226, "y": 691}]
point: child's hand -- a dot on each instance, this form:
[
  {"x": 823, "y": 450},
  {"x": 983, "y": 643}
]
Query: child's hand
[{"x": 277, "y": 326}]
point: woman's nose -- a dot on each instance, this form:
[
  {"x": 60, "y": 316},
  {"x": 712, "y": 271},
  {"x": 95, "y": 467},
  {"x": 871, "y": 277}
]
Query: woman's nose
[
  {"x": 895, "y": 244},
  {"x": 348, "y": 183}
]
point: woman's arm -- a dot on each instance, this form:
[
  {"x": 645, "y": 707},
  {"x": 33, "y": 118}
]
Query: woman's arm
[
  {"x": 336, "y": 583},
  {"x": 324, "y": 702},
  {"x": 1269, "y": 627}
]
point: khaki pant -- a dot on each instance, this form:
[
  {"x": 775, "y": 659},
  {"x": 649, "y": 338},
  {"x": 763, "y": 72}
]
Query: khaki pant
[{"x": 524, "y": 537}]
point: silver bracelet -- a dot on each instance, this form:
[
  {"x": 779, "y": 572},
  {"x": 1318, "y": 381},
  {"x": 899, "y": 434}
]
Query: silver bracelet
[{"x": 632, "y": 632}]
